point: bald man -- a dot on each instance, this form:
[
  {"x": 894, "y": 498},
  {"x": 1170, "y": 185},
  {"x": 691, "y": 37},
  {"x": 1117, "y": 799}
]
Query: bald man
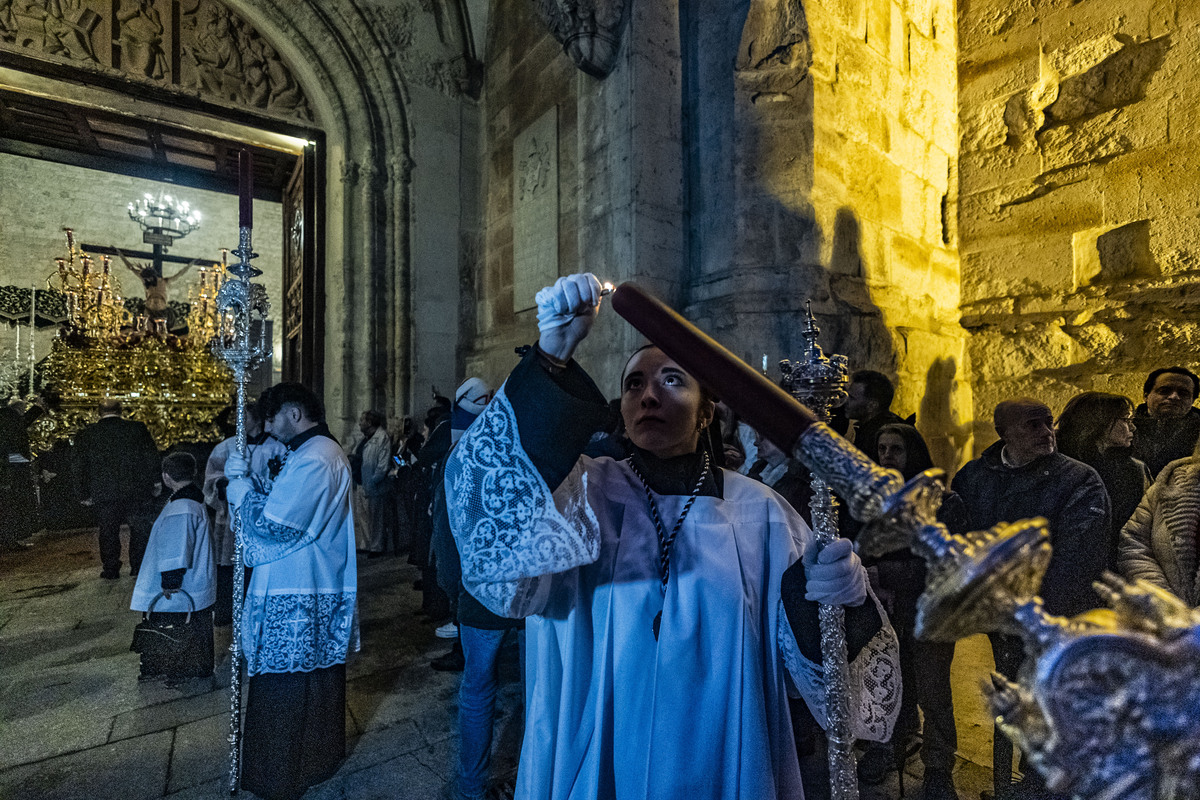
[{"x": 1022, "y": 476}]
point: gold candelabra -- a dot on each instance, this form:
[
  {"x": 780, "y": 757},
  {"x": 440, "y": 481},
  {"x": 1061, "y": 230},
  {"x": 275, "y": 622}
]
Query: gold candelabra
[
  {"x": 95, "y": 304},
  {"x": 173, "y": 384}
]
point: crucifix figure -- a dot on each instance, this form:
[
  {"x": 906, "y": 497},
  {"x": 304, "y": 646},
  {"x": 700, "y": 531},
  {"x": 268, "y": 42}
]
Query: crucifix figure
[{"x": 156, "y": 285}]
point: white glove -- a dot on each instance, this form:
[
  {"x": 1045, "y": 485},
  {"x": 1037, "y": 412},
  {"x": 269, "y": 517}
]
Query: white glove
[
  {"x": 236, "y": 491},
  {"x": 835, "y": 576},
  {"x": 236, "y": 466},
  {"x": 569, "y": 297}
]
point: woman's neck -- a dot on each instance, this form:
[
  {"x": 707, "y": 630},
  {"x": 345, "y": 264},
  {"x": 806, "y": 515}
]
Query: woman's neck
[{"x": 677, "y": 475}]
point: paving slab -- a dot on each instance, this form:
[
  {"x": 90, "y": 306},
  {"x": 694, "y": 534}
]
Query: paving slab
[
  {"x": 194, "y": 759},
  {"x": 132, "y": 769}
]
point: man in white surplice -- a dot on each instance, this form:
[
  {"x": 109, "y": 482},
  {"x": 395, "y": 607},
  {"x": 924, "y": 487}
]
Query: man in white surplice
[
  {"x": 299, "y": 622},
  {"x": 667, "y": 600}
]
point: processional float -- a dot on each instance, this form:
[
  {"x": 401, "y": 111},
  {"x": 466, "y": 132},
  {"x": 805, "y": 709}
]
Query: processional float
[
  {"x": 244, "y": 303},
  {"x": 1108, "y": 702}
]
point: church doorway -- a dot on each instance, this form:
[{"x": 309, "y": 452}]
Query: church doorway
[{"x": 78, "y": 161}]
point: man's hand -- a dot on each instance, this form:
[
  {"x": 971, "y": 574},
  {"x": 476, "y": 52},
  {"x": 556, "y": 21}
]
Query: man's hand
[
  {"x": 236, "y": 466},
  {"x": 835, "y": 576},
  {"x": 566, "y": 312}
]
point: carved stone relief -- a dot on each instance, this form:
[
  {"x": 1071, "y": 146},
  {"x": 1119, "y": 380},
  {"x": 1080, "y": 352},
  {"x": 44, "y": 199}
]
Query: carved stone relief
[
  {"x": 216, "y": 55},
  {"x": 414, "y": 45},
  {"x": 590, "y": 31}
]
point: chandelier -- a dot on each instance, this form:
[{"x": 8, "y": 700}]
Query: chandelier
[{"x": 164, "y": 218}]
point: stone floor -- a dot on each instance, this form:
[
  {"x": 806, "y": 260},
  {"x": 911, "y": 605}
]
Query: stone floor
[{"x": 76, "y": 723}]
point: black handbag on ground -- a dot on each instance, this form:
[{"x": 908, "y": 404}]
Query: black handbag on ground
[{"x": 161, "y": 641}]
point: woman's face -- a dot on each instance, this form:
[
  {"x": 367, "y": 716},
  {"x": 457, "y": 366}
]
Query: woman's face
[
  {"x": 1120, "y": 433},
  {"x": 893, "y": 453},
  {"x": 662, "y": 405}
]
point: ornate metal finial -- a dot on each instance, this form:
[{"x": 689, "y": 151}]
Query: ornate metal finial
[
  {"x": 241, "y": 304},
  {"x": 818, "y": 381},
  {"x": 1107, "y": 703}
]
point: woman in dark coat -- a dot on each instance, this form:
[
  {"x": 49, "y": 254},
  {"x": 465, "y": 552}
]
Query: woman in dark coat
[
  {"x": 1097, "y": 429},
  {"x": 924, "y": 666}
]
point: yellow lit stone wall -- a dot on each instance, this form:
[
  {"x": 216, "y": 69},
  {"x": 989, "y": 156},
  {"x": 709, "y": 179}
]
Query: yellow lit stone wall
[
  {"x": 847, "y": 121},
  {"x": 1080, "y": 215},
  {"x": 884, "y": 77}
]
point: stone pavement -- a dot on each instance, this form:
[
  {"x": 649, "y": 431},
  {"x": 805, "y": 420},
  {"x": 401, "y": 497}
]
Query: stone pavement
[{"x": 75, "y": 722}]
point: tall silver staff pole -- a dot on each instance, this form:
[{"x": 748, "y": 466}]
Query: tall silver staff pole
[
  {"x": 239, "y": 304},
  {"x": 819, "y": 382}
]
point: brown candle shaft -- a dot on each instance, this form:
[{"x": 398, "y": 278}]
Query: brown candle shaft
[
  {"x": 760, "y": 403},
  {"x": 245, "y": 189}
]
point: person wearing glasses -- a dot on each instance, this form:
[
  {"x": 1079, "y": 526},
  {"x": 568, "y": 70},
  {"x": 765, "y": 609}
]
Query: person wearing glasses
[{"x": 1097, "y": 428}]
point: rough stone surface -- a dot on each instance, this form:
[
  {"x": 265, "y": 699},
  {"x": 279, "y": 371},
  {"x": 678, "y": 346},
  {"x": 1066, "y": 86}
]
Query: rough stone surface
[{"x": 1078, "y": 216}]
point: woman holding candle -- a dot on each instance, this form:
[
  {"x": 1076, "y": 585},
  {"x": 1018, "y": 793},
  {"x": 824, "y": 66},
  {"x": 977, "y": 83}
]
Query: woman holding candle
[{"x": 666, "y": 598}]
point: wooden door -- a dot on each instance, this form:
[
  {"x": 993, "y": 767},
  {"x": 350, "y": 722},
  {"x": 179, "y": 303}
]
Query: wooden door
[{"x": 302, "y": 302}]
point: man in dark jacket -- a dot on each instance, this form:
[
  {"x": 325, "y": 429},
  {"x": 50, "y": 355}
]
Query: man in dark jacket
[
  {"x": 117, "y": 468},
  {"x": 869, "y": 404},
  {"x": 1167, "y": 423},
  {"x": 1023, "y": 476}
]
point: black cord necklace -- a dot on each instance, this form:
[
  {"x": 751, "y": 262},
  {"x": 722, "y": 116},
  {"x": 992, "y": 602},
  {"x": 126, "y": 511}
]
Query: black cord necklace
[{"x": 667, "y": 540}]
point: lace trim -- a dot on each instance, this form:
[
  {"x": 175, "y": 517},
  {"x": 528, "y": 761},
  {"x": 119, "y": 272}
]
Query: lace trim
[
  {"x": 299, "y": 632},
  {"x": 511, "y": 530},
  {"x": 264, "y": 541},
  {"x": 874, "y": 679}
]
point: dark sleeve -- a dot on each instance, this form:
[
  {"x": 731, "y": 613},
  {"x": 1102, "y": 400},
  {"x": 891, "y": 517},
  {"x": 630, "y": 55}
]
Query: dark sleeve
[
  {"x": 1078, "y": 535},
  {"x": 445, "y": 551},
  {"x": 862, "y": 622},
  {"x": 556, "y": 414},
  {"x": 953, "y": 514},
  {"x": 172, "y": 579}
]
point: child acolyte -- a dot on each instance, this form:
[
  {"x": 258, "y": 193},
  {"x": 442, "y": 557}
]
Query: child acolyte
[{"x": 180, "y": 565}]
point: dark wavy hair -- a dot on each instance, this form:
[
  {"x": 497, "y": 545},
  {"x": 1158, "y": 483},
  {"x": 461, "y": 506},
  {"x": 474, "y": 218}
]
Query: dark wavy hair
[
  {"x": 1084, "y": 423},
  {"x": 290, "y": 393},
  {"x": 1152, "y": 379}
]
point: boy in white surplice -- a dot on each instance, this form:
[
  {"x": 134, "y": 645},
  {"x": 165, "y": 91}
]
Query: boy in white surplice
[
  {"x": 178, "y": 575},
  {"x": 666, "y": 599}
]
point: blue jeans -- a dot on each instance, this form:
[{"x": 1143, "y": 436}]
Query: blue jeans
[{"x": 477, "y": 706}]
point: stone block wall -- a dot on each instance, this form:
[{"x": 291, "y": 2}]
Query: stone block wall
[
  {"x": 526, "y": 75},
  {"x": 844, "y": 148},
  {"x": 1078, "y": 222}
]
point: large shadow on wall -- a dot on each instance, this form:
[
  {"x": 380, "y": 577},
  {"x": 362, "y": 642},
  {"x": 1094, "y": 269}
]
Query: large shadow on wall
[{"x": 759, "y": 246}]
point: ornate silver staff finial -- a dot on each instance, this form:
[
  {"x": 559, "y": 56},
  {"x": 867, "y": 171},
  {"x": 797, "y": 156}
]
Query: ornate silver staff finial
[
  {"x": 241, "y": 304},
  {"x": 1106, "y": 705},
  {"x": 819, "y": 382}
]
